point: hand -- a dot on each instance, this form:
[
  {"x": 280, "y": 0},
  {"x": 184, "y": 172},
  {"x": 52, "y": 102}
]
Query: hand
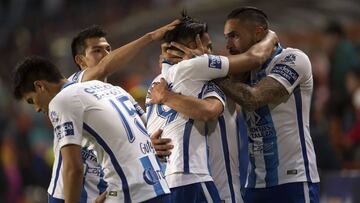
[
  {"x": 273, "y": 36},
  {"x": 101, "y": 198},
  {"x": 172, "y": 59},
  {"x": 186, "y": 52},
  {"x": 162, "y": 146},
  {"x": 158, "y": 92},
  {"x": 159, "y": 33}
]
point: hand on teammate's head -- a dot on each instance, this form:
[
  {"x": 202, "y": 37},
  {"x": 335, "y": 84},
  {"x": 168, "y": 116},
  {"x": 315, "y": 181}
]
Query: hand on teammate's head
[
  {"x": 185, "y": 52},
  {"x": 168, "y": 57},
  {"x": 160, "y": 32}
]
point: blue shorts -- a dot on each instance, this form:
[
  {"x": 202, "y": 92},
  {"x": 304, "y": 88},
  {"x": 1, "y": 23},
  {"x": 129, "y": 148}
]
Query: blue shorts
[
  {"x": 195, "y": 193},
  {"x": 301, "y": 192},
  {"x": 160, "y": 199},
  {"x": 52, "y": 199}
]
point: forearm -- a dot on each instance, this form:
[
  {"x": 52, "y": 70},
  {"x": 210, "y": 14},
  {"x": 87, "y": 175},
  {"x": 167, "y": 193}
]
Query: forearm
[
  {"x": 72, "y": 172},
  {"x": 263, "y": 49},
  {"x": 197, "y": 109},
  {"x": 118, "y": 58},
  {"x": 254, "y": 57},
  {"x": 266, "y": 91},
  {"x": 73, "y": 179},
  {"x": 241, "y": 93}
]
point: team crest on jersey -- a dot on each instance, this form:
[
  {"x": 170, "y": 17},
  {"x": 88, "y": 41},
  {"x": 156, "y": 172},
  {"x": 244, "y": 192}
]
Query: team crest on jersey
[
  {"x": 214, "y": 62},
  {"x": 290, "y": 58},
  {"x": 54, "y": 117}
]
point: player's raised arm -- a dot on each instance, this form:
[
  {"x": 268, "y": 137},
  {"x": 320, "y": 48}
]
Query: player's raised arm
[
  {"x": 121, "y": 56},
  {"x": 239, "y": 63},
  {"x": 254, "y": 57}
]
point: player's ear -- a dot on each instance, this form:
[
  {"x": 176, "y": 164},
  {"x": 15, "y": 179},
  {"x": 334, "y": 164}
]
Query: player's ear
[
  {"x": 39, "y": 86},
  {"x": 192, "y": 45},
  {"x": 79, "y": 59}
]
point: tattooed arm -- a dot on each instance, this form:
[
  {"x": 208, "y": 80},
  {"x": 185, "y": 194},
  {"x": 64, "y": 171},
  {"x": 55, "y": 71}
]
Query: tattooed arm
[{"x": 268, "y": 90}]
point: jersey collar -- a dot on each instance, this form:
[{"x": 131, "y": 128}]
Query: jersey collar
[
  {"x": 67, "y": 84},
  {"x": 277, "y": 52}
]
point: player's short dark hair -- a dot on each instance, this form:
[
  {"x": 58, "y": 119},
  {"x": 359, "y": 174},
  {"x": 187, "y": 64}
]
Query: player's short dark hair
[
  {"x": 31, "y": 69},
  {"x": 78, "y": 42},
  {"x": 251, "y": 14},
  {"x": 187, "y": 29}
]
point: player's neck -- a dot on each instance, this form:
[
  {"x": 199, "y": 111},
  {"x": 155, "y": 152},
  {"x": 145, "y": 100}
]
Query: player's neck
[{"x": 55, "y": 88}]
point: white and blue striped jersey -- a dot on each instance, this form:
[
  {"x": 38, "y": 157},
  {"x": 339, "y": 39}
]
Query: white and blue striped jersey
[
  {"x": 224, "y": 153},
  {"x": 107, "y": 119},
  {"x": 93, "y": 183},
  {"x": 189, "y": 161},
  {"x": 280, "y": 146}
]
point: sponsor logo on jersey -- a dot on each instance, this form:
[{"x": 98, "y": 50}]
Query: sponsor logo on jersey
[
  {"x": 68, "y": 128},
  {"x": 286, "y": 72},
  {"x": 152, "y": 176},
  {"x": 65, "y": 129},
  {"x": 88, "y": 154},
  {"x": 147, "y": 147},
  {"x": 214, "y": 62}
]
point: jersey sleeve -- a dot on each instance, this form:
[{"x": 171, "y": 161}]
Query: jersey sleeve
[
  {"x": 66, "y": 115},
  {"x": 204, "y": 68},
  {"x": 291, "y": 69},
  {"x": 212, "y": 90}
]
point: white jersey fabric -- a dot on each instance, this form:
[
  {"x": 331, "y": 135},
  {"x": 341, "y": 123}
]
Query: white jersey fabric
[
  {"x": 224, "y": 154},
  {"x": 189, "y": 161},
  {"x": 93, "y": 182},
  {"x": 77, "y": 76},
  {"x": 106, "y": 118},
  {"x": 280, "y": 146}
]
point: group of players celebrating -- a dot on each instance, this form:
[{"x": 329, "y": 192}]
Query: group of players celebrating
[{"x": 185, "y": 147}]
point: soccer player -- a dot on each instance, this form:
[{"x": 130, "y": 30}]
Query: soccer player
[
  {"x": 89, "y": 47},
  {"x": 104, "y": 116},
  {"x": 91, "y": 52},
  {"x": 183, "y": 79},
  {"x": 276, "y": 101}
]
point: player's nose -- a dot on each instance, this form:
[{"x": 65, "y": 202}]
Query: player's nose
[{"x": 229, "y": 44}]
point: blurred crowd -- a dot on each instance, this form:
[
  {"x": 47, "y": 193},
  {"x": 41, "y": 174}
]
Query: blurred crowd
[{"x": 26, "y": 137}]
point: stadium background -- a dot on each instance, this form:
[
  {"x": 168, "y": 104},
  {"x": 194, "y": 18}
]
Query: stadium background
[{"x": 45, "y": 27}]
